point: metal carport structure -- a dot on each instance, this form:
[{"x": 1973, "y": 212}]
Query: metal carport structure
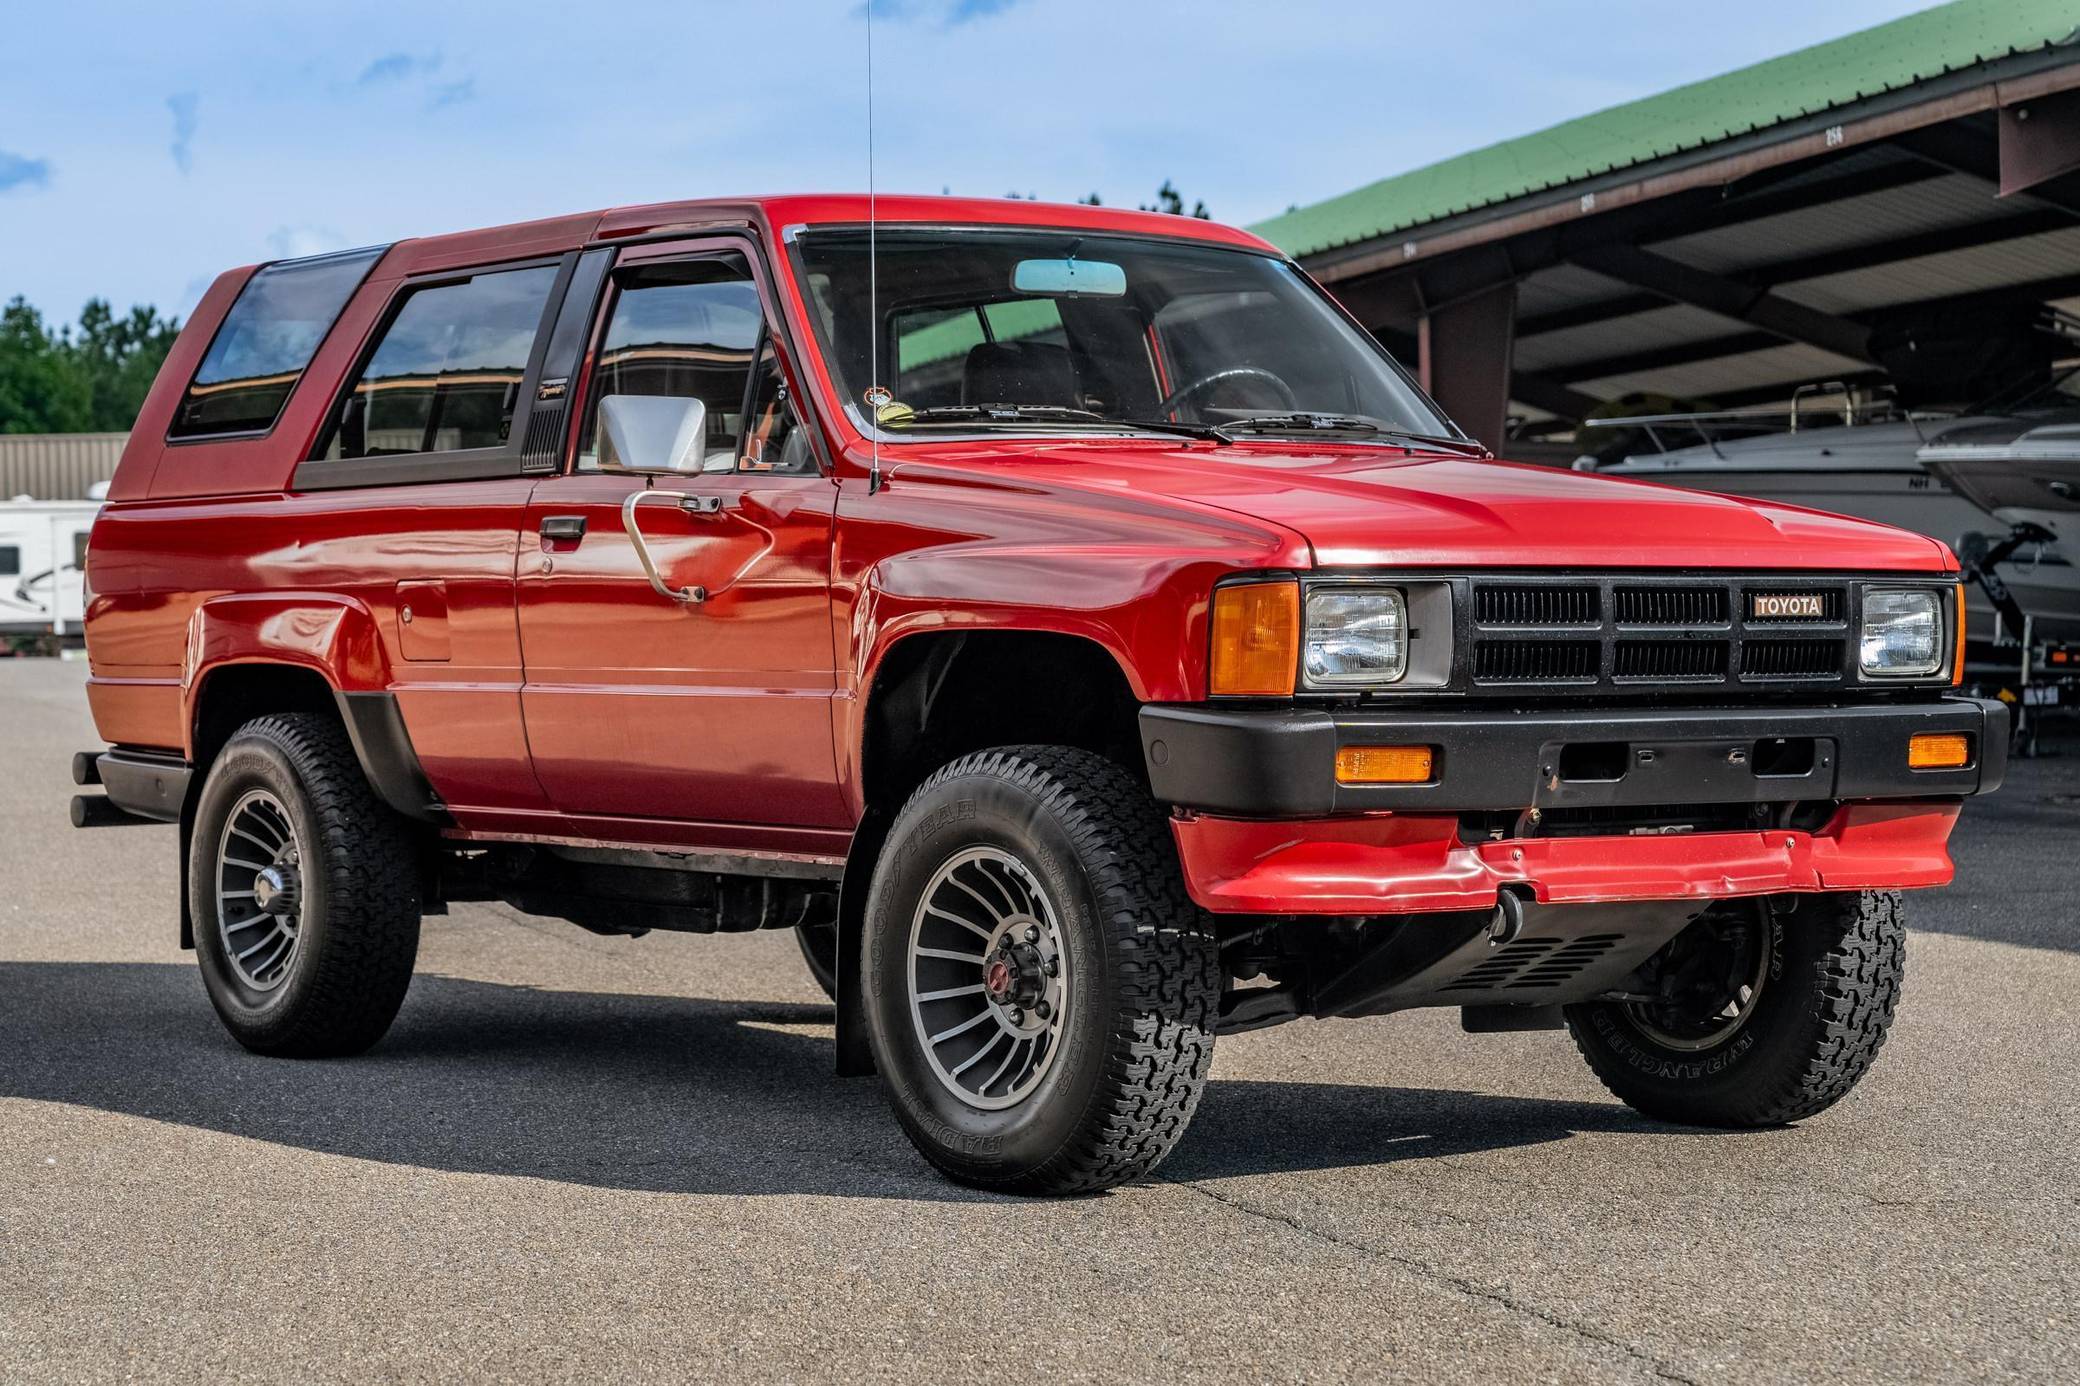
[{"x": 1797, "y": 220}]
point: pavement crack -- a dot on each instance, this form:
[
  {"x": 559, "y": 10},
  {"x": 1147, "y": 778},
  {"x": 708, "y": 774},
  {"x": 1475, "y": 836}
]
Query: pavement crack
[{"x": 1459, "y": 1284}]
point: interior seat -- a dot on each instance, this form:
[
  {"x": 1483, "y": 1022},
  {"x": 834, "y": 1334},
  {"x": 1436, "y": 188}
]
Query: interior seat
[{"x": 1019, "y": 373}]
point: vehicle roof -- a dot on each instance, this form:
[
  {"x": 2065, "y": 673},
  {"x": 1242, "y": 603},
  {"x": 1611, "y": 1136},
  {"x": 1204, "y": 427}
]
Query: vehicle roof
[{"x": 779, "y": 213}]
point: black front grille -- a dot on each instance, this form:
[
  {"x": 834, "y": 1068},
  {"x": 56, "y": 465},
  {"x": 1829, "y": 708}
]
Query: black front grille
[
  {"x": 1791, "y": 659},
  {"x": 1535, "y": 604},
  {"x": 1670, "y": 606},
  {"x": 1536, "y": 661},
  {"x": 1670, "y": 660},
  {"x": 1580, "y": 633}
]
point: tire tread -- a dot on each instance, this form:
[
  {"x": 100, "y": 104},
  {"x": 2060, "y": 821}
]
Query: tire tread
[
  {"x": 1161, "y": 1043},
  {"x": 361, "y": 972},
  {"x": 1853, "y": 979}
]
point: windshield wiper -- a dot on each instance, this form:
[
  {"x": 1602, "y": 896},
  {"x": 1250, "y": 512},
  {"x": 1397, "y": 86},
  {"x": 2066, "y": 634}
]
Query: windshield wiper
[
  {"x": 1308, "y": 421},
  {"x": 1045, "y": 413},
  {"x": 1466, "y": 447}
]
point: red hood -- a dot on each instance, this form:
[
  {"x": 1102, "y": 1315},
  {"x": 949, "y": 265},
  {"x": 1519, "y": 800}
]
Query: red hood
[{"x": 1369, "y": 507}]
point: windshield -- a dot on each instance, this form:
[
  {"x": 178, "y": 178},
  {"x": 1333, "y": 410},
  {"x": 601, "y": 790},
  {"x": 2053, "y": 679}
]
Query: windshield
[{"x": 1055, "y": 330}]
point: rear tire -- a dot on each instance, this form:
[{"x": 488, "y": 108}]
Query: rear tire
[
  {"x": 819, "y": 943},
  {"x": 1079, "y": 1065},
  {"x": 305, "y": 892},
  {"x": 1829, "y": 978}
]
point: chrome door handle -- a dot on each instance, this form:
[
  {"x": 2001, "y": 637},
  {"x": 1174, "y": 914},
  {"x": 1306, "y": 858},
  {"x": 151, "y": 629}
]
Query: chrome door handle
[{"x": 691, "y": 504}]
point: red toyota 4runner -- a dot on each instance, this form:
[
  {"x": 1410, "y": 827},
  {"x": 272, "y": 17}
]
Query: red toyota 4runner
[{"x": 1069, "y": 621}]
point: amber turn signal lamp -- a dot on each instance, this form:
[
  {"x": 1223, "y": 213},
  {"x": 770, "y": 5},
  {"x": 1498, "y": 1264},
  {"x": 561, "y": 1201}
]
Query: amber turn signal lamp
[
  {"x": 1384, "y": 764},
  {"x": 1939, "y": 751},
  {"x": 1256, "y": 640},
  {"x": 1957, "y": 664}
]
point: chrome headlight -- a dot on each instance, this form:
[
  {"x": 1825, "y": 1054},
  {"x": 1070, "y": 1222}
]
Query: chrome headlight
[
  {"x": 1356, "y": 637},
  {"x": 1902, "y": 634}
]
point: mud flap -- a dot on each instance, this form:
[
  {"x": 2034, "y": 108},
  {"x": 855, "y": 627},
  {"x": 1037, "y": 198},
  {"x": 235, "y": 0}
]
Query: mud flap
[{"x": 187, "y": 836}]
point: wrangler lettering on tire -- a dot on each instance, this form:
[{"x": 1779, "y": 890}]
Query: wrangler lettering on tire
[{"x": 1811, "y": 1029}]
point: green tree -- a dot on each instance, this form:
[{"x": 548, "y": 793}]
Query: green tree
[
  {"x": 40, "y": 392},
  {"x": 119, "y": 357},
  {"x": 93, "y": 380},
  {"x": 1168, "y": 199}
]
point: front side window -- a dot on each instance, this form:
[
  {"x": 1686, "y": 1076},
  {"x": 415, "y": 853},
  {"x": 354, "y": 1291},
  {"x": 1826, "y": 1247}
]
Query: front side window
[
  {"x": 775, "y": 441},
  {"x": 10, "y": 561},
  {"x": 445, "y": 376},
  {"x": 687, "y": 329},
  {"x": 266, "y": 340},
  {"x": 1036, "y": 330}
]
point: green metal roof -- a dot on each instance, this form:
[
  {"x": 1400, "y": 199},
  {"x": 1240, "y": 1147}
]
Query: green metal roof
[{"x": 1807, "y": 82}]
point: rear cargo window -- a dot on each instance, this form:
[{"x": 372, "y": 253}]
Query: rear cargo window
[
  {"x": 446, "y": 375},
  {"x": 267, "y": 338}
]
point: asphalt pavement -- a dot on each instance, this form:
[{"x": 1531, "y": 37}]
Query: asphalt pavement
[{"x": 582, "y": 1158}]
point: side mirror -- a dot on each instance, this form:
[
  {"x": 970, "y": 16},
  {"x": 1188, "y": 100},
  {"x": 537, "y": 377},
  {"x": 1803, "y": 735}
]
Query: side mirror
[{"x": 652, "y": 433}]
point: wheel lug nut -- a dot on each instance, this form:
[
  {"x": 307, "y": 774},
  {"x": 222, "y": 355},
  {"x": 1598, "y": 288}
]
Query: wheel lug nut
[
  {"x": 1017, "y": 1016},
  {"x": 1042, "y": 1009},
  {"x": 1032, "y": 933},
  {"x": 1054, "y": 967}
]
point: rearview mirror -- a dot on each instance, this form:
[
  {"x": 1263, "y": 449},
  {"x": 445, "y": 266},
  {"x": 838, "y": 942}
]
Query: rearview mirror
[
  {"x": 1070, "y": 278},
  {"x": 652, "y": 433}
]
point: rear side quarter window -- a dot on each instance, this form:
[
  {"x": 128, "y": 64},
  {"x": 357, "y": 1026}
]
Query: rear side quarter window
[
  {"x": 264, "y": 343},
  {"x": 446, "y": 373}
]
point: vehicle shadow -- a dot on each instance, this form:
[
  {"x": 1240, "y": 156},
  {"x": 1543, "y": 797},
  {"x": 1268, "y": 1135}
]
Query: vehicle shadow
[{"x": 635, "y": 1092}]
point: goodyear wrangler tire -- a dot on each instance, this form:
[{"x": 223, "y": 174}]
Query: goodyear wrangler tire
[
  {"x": 304, "y": 889},
  {"x": 1041, "y": 992},
  {"x": 1825, "y": 978}
]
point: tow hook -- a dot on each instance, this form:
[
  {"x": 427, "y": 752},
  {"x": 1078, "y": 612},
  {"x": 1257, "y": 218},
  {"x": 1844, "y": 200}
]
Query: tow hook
[{"x": 1509, "y": 918}]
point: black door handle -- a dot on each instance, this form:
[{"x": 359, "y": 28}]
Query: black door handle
[{"x": 566, "y": 527}]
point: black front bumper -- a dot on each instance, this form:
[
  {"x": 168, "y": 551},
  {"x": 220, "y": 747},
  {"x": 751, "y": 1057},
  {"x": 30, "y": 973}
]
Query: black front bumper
[{"x": 1281, "y": 763}]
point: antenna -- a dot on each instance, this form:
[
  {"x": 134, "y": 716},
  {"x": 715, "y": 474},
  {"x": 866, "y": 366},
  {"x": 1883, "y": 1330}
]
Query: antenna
[{"x": 873, "y": 276}]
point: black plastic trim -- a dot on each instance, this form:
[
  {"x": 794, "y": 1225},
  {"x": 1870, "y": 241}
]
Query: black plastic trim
[
  {"x": 1281, "y": 762},
  {"x": 384, "y": 747},
  {"x": 146, "y": 784}
]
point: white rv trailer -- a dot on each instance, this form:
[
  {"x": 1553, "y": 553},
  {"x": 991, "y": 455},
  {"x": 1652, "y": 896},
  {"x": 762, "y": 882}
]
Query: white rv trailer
[{"x": 43, "y": 556}]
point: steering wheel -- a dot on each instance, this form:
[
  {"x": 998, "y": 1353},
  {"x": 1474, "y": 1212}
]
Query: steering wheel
[{"x": 1207, "y": 382}]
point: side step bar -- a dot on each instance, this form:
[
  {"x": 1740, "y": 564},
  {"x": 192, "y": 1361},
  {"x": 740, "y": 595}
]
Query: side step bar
[{"x": 142, "y": 787}]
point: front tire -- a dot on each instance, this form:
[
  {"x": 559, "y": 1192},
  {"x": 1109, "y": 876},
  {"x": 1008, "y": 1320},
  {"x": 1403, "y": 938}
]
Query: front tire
[
  {"x": 304, "y": 888},
  {"x": 1042, "y": 991},
  {"x": 1758, "y": 1028}
]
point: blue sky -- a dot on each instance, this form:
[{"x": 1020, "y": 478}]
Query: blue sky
[{"x": 144, "y": 147}]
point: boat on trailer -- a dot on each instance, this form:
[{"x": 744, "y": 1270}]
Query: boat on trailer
[{"x": 1874, "y": 470}]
